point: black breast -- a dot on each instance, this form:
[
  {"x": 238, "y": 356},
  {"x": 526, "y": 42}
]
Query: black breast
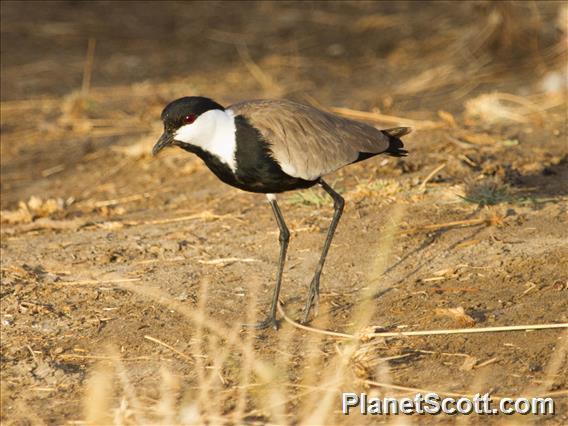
[
  {"x": 221, "y": 170},
  {"x": 256, "y": 169}
]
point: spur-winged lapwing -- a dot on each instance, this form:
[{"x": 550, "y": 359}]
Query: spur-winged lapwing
[{"x": 273, "y": 146}]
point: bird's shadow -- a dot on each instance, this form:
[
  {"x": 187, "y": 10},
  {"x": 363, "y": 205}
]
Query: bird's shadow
[
  {"x": 549, "y": 183},
  {"x": 547, "y": 186},
  {"x": 431, "y": 239}
]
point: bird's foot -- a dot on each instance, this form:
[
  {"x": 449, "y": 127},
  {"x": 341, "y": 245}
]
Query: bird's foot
[
  {"x": 312, "y": 301},
  {"x": 271, "y": 321}
]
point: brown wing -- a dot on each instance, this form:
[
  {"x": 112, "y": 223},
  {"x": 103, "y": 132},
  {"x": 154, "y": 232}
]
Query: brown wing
[{"x": 307, "y": 142}]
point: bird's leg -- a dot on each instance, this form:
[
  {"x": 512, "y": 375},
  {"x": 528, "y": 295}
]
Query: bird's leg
[
  {"x": 284, "y": 237},
  {"x": 313, "y": 292}
]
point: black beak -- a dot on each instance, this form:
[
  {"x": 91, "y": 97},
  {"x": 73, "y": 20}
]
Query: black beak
[{"x": 166, "y": 139}]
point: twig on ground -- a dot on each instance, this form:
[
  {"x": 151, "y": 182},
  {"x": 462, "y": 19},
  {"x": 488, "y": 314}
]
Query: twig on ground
[
  {"x": 53, "y": 170},
  {"x": 109, "y": 281},
  {"x": 107, "y": 357},
  {"x": 430, "y": 176},
  {"x": 485, "y": 363},
  {"x": 203, "y": 215},
  {"x": 125, "y": 199},
  {"x": 223, "y": 261},
  {"x": 47, "y": 223},
  {"x": 312, "y": 329},
  {"x": 456, "y": 223},
  {"x": 527, "y": 327},
  {"x": 367, "y": 336},
  {"x": 171, "y": 348},
  {"x": 171, "y": 259},
  {"x": 423, "y": 351}
]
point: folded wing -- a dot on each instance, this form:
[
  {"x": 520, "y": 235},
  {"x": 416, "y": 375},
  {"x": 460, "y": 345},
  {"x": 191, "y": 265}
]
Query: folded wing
[{"x": 308, "y": 143}]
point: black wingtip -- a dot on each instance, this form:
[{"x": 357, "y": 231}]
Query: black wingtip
[{"x": 396, "y": 147}]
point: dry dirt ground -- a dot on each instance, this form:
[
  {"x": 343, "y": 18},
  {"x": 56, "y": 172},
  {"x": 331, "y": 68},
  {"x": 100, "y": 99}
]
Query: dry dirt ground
[{"x": 125, "y": 278}]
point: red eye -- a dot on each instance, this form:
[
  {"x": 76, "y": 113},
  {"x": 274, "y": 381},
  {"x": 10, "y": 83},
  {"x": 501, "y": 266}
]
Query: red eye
[{"x": 190, "y": 118}]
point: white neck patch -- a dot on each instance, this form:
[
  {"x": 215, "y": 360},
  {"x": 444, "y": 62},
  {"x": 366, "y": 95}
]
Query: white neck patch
[{"x": 214, "y": 131}]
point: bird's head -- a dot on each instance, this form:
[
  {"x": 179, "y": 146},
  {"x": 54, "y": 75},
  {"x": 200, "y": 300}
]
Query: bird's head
[{"x": 186, "y": 120}]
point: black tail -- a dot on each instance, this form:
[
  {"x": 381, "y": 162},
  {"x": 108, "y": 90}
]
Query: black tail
[{"x": 396, "y": 147}]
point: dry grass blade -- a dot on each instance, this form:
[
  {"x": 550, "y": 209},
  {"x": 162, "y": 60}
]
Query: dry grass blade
[
  {"x": 378, "y": 118},
  {"x": 90, "y": 282},
  {"x": 265, "y": 80},
  {"x": 555, "y": 364},
  {"x": 114, "y": 202},
  {"x": 230, "y": 336},
  {"x": 97, "y": 401},
  {"x": 88, "y": 69},
  {"x": 496, "y": 107},
  {"x": 73, "y": 224},
  {"x": 249, "y": 355},
  {"x": 22, "y": 105}
]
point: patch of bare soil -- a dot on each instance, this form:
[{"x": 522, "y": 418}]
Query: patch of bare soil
[{"x": 126, "y": 278}]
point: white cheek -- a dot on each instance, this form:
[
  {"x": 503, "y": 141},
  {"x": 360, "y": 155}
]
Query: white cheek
[
  {"x": 185, "y": 133},
  {"x": 213, "y": 131}
]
